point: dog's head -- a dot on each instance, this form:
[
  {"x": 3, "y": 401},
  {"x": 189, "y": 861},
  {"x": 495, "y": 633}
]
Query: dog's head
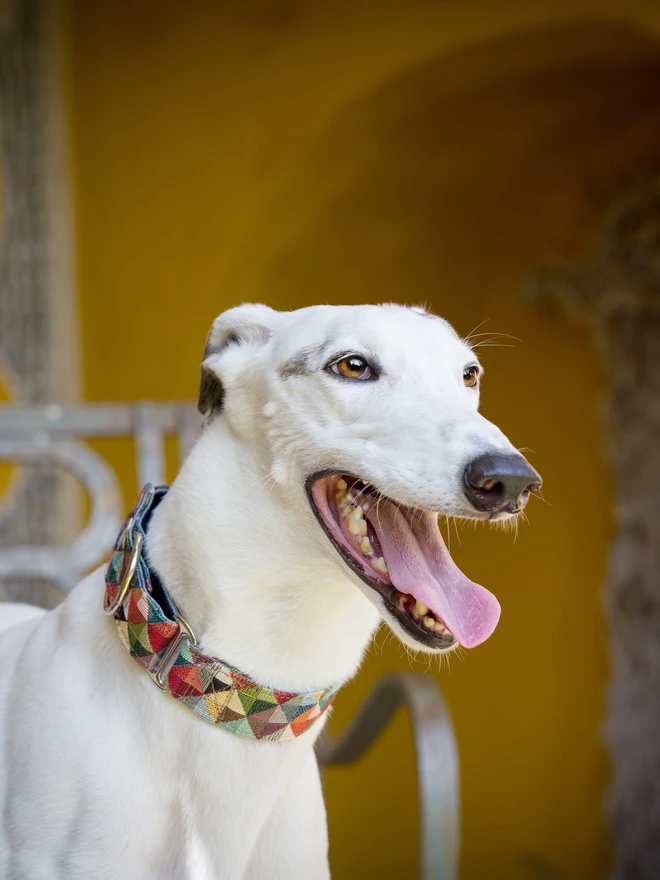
[{"x": 366, "y": 420}]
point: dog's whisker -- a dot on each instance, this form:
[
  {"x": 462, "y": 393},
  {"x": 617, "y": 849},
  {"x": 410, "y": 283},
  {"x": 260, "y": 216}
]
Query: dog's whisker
[
  {"x": 492, "y": 345},
  {"x": 262, "y": 480},
  {"x": 446, "y": 519},
  {"x": 538, "y": 494},
  {"x": 474, "y": 332},
  {"x": 496, "y": 336},
  {"x": 460, "y": 653}
]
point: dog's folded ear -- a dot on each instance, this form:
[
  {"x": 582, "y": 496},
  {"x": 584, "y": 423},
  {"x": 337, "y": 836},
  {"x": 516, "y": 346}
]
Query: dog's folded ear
[{"x": 248, "y": 324}]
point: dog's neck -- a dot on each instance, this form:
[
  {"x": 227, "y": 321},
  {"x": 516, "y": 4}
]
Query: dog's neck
[{"x": 254, "y": 580}]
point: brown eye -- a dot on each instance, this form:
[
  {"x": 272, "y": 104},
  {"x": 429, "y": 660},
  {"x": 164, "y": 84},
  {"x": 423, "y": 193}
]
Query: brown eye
[
  {"x": 471, "y": 375},
  {"x": 352, "y": 367}
]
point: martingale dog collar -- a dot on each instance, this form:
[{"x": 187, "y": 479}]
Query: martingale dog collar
[{"x": 159, "y": 639}]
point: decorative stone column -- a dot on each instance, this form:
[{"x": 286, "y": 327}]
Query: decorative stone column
[
  {"x": 617, "y": 292},
  {"x": 25, "y": 339}
]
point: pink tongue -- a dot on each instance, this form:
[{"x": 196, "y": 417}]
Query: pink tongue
[{"x": 420, "y": 564}]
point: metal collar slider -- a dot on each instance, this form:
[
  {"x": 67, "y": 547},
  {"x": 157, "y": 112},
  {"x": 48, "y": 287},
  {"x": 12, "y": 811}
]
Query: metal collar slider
[{"x": 163, "y": 664}]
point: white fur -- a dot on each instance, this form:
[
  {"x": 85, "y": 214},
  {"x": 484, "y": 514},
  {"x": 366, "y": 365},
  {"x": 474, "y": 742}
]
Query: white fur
[{"x": 105, "y": 776}]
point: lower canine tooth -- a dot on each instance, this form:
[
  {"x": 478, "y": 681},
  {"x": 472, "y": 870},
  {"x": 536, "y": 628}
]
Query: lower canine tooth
[
  {"x": 419, "y": 609},
  {"x": 380, "y": 564},
  {"x": 357, "y": 525},
  {"x": 365, "y": 545},
  {"x": 342, "y": 484}
]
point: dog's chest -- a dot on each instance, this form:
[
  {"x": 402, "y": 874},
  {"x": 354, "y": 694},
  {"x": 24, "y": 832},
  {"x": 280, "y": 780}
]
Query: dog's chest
[
  {"x": 217, "y": 797},
  {"x": 138, "y": 786}
]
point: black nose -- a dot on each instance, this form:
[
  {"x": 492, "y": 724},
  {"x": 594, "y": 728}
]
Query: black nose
[{"x": 497, "y": 483}]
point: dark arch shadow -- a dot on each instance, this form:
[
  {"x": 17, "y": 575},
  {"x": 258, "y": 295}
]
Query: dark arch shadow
[{"x": 502, "y": 154}]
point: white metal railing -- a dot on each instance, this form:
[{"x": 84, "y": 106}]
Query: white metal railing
[{"x": 53, "y": 435}]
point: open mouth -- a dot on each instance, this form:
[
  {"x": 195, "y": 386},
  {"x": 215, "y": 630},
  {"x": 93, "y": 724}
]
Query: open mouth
[{"x": 399, "y": 552}]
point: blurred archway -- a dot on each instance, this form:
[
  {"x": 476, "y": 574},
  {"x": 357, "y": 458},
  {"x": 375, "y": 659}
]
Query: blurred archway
[{"x": 447, "y": 185}]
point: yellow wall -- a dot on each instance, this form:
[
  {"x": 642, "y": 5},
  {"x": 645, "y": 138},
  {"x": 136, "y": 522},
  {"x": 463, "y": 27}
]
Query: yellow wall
[{"x": 300, "y": 152}]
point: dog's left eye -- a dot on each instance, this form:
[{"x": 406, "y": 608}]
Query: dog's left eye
[
  {"x": 352, "y": 367},
  {"x": 471, "y": 375}
]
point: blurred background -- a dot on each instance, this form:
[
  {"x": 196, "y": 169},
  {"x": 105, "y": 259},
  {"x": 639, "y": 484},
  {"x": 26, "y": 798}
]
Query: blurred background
[{"x": 162, "y": 161}]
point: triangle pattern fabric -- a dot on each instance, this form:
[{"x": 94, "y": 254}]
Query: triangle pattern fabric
[{"x": 215, "y": 691}]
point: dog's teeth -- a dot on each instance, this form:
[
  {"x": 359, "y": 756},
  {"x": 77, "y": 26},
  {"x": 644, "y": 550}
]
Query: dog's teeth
[
  {"x": 441, "y": 628},
  {"x": 419, "y": 609},
  {"x": 365, "y": 482},
  {"x": 429, "y": 622},
  {"x": 342, "y": 484},
  {"x": 357, "y": 525},
  {"x": 365, "y": 546},
  {"x": 380, "y": 564}
]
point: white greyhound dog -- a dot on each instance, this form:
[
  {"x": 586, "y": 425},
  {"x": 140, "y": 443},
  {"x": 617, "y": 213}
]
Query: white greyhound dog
[{"x": 305, "y": 514}]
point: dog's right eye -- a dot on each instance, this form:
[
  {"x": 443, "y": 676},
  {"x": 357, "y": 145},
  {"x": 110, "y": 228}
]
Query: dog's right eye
[{"x": 352, "y": 367}]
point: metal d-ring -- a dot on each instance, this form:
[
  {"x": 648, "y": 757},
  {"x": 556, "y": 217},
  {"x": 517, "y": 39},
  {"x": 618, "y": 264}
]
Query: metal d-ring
[{"x": 110, "y": 608}]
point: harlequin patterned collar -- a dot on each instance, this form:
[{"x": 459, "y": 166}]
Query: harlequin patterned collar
[{"x": 160, "y": 641}]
